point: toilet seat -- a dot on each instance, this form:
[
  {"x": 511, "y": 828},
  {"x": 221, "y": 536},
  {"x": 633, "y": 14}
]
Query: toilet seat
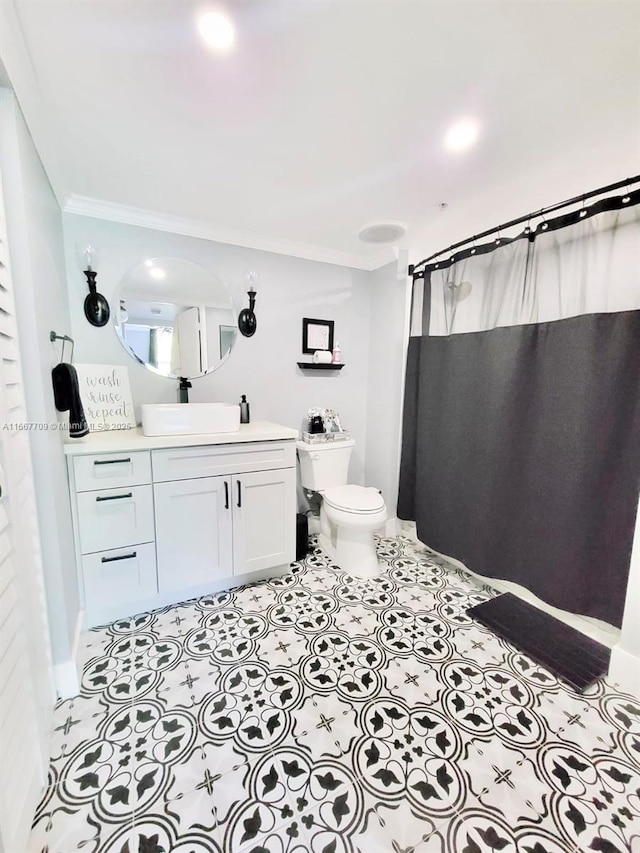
[{"x": 359, "y": 500}]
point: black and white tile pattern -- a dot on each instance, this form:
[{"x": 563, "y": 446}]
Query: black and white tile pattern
[{"x": 319, "y": 713}]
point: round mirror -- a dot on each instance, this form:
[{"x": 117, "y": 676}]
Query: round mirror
[{"x": 175, "y": 317}]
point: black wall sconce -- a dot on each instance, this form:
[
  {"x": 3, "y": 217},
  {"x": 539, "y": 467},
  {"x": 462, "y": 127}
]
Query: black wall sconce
[
  {"x": 96, "y": 307},
  {"x": 247, "y": 322}
]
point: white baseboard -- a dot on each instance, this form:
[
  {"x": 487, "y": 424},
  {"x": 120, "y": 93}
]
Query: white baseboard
[
  {"x": 624, "y": 671},
  {"x": 65, "y": 675},
  {"x": 392, "y": 527}
]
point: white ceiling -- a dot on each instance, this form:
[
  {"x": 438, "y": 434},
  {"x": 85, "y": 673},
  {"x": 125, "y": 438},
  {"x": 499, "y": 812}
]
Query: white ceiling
[{"x": 328, "y": 113}]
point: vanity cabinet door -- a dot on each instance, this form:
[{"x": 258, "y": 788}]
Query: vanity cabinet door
[
  {"x": 264, "y": 519},
  {"x": 193, "y": 532}
]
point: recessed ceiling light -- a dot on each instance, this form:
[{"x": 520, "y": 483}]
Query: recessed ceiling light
[
  {"x": 156, "y": 272},
  {"x": 216, "y": 30},
  {"x": 148, "y": 263},
  {"x": 462, "y": 135},
  {"x": 383, "y": 231}
]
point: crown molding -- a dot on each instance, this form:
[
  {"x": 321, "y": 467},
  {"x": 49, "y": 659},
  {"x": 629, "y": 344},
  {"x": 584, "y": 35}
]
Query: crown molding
[{"x": 112, "y": 212}]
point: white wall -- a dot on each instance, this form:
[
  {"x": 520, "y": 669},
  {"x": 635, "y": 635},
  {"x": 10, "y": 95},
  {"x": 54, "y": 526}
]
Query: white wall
[
  {"x": 34, "y": 228},
  {"x": 262, "y": 367},
  {"x": 389, "y": 294}
]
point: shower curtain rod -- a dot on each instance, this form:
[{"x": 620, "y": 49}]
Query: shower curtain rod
[{"x": 414, "y": 268}]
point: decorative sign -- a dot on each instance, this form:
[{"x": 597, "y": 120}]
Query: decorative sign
[{"x": 106, "y": 396}]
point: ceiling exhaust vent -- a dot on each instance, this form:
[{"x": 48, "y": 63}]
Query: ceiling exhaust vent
[{"x": 384, "y": 231}]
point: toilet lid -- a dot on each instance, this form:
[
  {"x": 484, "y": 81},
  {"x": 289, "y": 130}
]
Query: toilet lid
[{"x": 354, "y": 498}]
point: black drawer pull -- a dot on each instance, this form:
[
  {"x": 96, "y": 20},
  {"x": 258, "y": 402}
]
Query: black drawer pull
[
  {"x": 121, "y": 557},
  {"x": 239, "y": 493},
  {"x": 110, "y": 461},
  {"x": 114, "y": 497},
  {"x": 226, "y": 495}
]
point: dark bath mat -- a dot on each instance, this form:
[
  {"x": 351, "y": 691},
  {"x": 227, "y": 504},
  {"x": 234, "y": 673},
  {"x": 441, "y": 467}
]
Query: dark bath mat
[{"x": 567, "y": 653}]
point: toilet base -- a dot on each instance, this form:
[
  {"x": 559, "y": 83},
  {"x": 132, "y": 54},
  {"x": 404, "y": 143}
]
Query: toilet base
[{"x": 354, "y": 551}]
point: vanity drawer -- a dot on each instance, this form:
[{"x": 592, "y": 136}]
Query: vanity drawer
[
  {"x": 115, "y": 518},
  {"x": 111, "y": 470},
  {"x": 187, "y": 463},
  {"x": 118, "y": 577}
]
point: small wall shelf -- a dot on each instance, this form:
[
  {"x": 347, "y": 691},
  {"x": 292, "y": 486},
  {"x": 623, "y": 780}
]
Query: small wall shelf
[{"x": 310, "y": 365}]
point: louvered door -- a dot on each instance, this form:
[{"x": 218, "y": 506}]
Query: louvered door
[{"x": 26, "y": 687}]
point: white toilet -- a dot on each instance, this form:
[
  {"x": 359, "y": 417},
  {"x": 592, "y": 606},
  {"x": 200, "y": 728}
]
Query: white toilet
[{"x": 348, "y": 514}]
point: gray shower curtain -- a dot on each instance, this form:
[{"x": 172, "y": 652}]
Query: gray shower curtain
[{"x": 521, "y": 434}]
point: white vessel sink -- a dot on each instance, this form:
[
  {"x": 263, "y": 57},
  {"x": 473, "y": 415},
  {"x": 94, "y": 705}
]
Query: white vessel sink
[{"x": 189, "y": 418}]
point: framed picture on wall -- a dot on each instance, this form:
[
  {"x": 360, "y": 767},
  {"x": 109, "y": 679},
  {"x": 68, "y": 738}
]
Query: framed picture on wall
[{"x": 316, "y": 334}]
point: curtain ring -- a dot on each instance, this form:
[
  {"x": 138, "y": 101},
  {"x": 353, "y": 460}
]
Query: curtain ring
[
  {"x": 583, "y": 210},
  {"x": 626, "y": 198}
]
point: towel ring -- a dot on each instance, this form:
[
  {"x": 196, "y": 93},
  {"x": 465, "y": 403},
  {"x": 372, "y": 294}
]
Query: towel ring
[{"x": 54, "y": 336}]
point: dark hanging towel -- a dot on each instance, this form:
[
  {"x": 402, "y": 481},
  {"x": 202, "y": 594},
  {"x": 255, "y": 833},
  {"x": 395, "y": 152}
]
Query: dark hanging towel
[{"x": 66, "y": 393}]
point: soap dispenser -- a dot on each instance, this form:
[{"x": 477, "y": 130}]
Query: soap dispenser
[{"x": 244, "y": 410}]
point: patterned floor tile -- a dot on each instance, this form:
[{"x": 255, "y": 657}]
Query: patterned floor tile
[
  {"x": 93, "y": 644},
  {"x": 188, "y": 684},
  {"x": 71, "y": 741},
  {"x": 394, "y": 828},
  {"x": 218, "y": 759},
  {"x": 74, "y": 721},
  {"x": 576, "y": 721},
  {"x": 185, "y": 825},
  {"x": 258, "y": 799},
  {"x": 594, "y": 799},
  {"x": 325, "y": 726},
  {"x": 481, "y": 831},
  {"x": 477, "y": 644},
  {"x": 410, "y": 753},
  {"x": 292, "y": 801},
  {"x": 281, "y": 648},
  {"x": 169, "y": 622},
  {"x": 356, "y": 619},
  {"x": 255, "y": 597},
  {"x": 416, "y": 682},
  {"x": 321, "y": 712},
  {"x": 65, "y": 830},
  {"x": 502, "y": 778},
  {"x": 69, "y": 819}
]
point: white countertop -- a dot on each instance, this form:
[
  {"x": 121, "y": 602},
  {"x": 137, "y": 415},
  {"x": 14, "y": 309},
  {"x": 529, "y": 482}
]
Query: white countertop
[{"x": 134, "y": 439}]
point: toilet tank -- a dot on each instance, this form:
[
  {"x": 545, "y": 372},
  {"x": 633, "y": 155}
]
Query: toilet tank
[{"x": 324, "y": 465}]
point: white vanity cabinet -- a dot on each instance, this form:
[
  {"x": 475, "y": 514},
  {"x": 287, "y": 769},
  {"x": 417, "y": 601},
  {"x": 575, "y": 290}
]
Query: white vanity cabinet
[
  {"x": 243, "y": 517},
  {"x": 159, "y": 525}
]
